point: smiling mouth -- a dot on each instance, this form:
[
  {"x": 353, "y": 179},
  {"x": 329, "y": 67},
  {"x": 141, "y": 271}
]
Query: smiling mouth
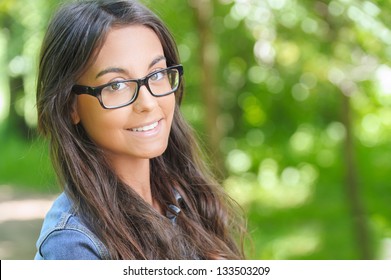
[{"x": 145, "y": 128}]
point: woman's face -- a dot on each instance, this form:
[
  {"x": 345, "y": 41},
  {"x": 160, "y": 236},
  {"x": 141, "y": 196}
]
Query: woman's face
[{"x": 139, "y": 130}]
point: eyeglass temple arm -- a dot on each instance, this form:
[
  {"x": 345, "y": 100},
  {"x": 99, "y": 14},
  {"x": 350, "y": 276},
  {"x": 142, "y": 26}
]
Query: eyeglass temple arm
[{"x": 83, "y": 90}]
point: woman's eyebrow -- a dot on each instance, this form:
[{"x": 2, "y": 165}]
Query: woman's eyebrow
[
  {"x": 111, "y": 70},
  {"x": 123, "y": 71},
  {"x": 157, "y": 60}
]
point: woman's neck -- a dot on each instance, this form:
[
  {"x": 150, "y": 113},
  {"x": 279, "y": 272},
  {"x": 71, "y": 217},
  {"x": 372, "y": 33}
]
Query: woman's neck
[{"x": 135, "y": 173}]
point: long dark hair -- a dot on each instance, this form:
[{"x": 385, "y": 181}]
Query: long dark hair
[{"x": 129, "y": 227}]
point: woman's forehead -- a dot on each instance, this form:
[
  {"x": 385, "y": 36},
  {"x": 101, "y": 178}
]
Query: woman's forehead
[{"x": 134, "y": 49}]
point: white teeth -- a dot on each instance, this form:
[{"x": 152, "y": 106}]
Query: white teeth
[{"x": 145, "y": 128}]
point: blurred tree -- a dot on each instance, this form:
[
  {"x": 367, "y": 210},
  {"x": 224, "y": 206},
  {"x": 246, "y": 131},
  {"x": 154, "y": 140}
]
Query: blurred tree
[
  {"x": 22, "y": 25},
  {"x": 209, "y": 60},
  {"x": 10, "y": 25},
  {"x": 307, "y": 93}
]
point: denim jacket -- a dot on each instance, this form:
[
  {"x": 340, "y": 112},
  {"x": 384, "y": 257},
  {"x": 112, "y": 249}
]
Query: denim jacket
[{"x": 64, "y": 235}]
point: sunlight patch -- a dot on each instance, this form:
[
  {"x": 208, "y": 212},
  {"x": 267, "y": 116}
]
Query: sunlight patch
[{"x": 24, "y": 209}]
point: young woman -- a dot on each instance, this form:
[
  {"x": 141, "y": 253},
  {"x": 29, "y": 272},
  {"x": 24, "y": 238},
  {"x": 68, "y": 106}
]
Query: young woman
[{"x": 109, "y": 90}]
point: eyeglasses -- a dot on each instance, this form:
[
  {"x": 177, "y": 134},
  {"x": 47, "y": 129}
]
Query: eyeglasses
[{"x": 123, "y": 93}]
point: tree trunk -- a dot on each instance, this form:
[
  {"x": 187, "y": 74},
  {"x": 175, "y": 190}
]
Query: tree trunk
[
  {"x": 359, "y": 219},
  {"x": 15, "y": 121},
  {"x": 352, "y": 188},
  {"x": 16, "y": 124},
  {"x": 209, "y": 61}
]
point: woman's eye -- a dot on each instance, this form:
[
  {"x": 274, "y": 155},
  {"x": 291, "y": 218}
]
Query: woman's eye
[
  {"x": 116, "y": 86},
  {"x": 157, "y": 76}
]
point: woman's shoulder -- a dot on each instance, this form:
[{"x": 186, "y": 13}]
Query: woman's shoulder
[{"x": 65, "y": 236}]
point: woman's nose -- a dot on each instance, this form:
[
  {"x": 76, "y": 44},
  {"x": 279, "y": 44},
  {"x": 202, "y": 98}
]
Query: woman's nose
[{"x": 145, "y": 101}]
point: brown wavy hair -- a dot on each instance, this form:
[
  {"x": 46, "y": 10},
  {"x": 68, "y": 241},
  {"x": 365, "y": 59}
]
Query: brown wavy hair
[{"x": 207, "y": 226}]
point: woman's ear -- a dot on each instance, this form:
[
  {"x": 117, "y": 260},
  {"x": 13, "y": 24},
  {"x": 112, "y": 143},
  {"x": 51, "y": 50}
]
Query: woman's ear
[{"x": 75, "y": 114}]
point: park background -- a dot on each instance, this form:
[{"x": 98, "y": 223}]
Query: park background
[{"x": 291, "y": 100}]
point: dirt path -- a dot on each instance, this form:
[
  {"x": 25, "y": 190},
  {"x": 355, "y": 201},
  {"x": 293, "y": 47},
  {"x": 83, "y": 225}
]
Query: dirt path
[{"x": 21, "y": 216}]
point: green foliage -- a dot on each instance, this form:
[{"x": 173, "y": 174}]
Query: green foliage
[
  {"x": 26, "y": 165},
  {"x": 289, "y": 74}
]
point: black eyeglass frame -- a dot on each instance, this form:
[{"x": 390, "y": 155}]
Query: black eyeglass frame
[{"x": 97, "y": 91}]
